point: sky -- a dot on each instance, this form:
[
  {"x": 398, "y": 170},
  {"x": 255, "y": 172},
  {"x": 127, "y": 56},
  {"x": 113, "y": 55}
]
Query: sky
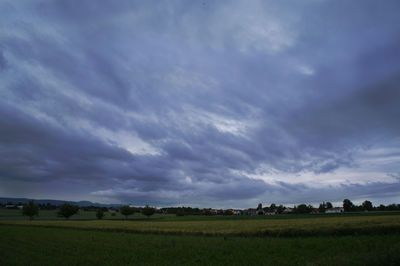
[{"x": 220, "y": 104}]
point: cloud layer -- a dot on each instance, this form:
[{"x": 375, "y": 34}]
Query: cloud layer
[{"x": 202, "y": 103}]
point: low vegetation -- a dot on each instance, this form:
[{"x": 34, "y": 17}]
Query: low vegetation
[
  {"x": 56, "y": 246},
  {"x": 255, "y": 227},
  {"x": 367, "y": 238}
]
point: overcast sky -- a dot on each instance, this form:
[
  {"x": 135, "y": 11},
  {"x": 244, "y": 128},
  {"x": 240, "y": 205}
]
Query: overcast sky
[{"x": 200, "y": 103}]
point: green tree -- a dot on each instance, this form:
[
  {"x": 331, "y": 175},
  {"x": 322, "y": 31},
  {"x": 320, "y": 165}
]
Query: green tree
[
  {"x": 329, "y": 205},
  {"x": 67, "y": 210},
  {"x": 180, "y": 212},
  {"x": 148, "y": 211},
  {"x": 30, "y": 210},
  {"x": 126, "y": 211},
  {"x": 280, "y": 209},
  {"x": 348, "y": 205},
  {"x": 302, "y": 208},
  {"x": 367, "y": 205},
  {"x": 322, "y": 207},
  {"x": 100, "y": 213}
]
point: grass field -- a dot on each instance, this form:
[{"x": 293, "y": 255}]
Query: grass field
[
  {"x": 267, "y": 227},
  {"x": 25, "y": 245},
  {"x": 351, "y": 239}
]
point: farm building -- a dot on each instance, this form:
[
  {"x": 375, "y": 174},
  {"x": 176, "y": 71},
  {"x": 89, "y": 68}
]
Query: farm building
[{"x": 335, "y": 210}]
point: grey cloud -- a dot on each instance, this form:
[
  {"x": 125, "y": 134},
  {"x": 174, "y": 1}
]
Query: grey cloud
[
  {"x": 3, "y": 61},
  {"x": 286, "y": 87}
]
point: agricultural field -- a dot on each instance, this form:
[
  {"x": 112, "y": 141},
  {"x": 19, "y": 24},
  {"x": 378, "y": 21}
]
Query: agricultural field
[
  {"x": 351, "y": 239},
  {"x": 257, "y": 227},
  {"x": 25, "y": 245}
]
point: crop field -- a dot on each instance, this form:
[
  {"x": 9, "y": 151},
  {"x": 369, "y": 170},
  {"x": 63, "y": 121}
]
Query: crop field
[
  {"x": 26, "y": 245},
  {"x": 356, "y": 239},
  {"x": 266, "y": 227}
]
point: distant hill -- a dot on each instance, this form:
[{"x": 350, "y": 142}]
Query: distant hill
[{"x": 56, "y": 202}]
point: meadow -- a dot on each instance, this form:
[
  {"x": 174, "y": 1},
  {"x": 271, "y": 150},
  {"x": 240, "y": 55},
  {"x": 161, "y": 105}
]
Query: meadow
[
  {"x": 351, "y": 239},
  {"x": 257, "y": 227},
  {"x": 24, "y": 245}
]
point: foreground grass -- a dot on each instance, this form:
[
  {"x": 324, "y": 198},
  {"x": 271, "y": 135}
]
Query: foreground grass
[
  {"x": 273, "y": 227},
  {"x": 24, "y": 245}
]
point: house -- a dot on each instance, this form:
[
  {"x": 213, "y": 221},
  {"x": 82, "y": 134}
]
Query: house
[
  {"x": 236, "y": 212},
  {"x": 250, "y": 211},
  {"x": 210, "y": 211},
  {"x": 335, "y": 210},
  {"x": 288, "y": 210},
  {"x": 233, "y": 212},
  {"x": 258, "y": 211},
  {"x": 314, "y": 210},
  {"x": 213, "y": 211},
  {"x": 112, "y": 210}
]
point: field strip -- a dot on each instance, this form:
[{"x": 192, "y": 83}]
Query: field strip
[{"x": 287, "y": 228}]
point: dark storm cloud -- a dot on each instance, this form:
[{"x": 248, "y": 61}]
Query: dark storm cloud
[
  {"x": 36, "y": 151},
  {"x": 166, "y": 103}
]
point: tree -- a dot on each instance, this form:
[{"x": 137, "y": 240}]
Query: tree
[
  {"x": 126, "y": 210},
  {"x": 367, "y": 205},
  {"x": 302, "y": 208},
  {"x": 67, "y": 210},
  {"x": 329, "y": 205},
  {"x": 348, "y": 205},
  {"x": 180, "y": 212},
  {"x": 30, "y": 209},
  {"x": 322, "y": 207},
  {"x": 280, "y": 209},
  {"x": 148, "y": 211},
  {"x": 100, "y": 213}
]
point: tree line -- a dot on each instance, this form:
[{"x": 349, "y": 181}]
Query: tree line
[{"x": 67, "y": 210}]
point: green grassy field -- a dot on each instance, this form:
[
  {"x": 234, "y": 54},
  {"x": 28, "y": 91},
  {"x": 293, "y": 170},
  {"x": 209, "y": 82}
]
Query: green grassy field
[
  {"x": 26, "y": 245},
  {"x": 350, "y": 239},
  {"x": 267, "y": 227}
]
